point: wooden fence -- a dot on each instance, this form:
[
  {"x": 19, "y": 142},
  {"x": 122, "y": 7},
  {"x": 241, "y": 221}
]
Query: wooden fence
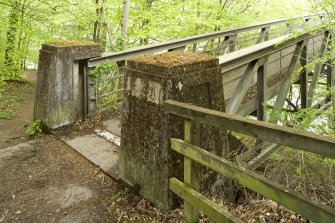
[{"x": 195, "y": 202}]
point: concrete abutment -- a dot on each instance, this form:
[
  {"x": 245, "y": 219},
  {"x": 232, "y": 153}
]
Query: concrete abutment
[
  {"x": 60, "y": 91},
  {"x": 146, "y": 158}
]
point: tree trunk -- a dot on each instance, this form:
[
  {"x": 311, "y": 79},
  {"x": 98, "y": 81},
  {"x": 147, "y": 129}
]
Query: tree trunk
[
  {"x": 96, "y": 23},
  {"x": 10, "y": 58},
  {"x": 21, "y": 46},
  {"x": 124, "y": 23}
]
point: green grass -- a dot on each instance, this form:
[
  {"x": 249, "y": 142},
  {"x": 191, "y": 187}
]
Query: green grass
[
  {"x": 19, "y": 97},
  {"x": 11, "y": 95},
  {"x": 6, "y": 115}
]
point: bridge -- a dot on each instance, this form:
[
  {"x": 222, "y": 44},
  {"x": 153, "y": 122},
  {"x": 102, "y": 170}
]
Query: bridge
[
  {"x": 235, "y": 48},
  {"x": 207, "y": 81}
]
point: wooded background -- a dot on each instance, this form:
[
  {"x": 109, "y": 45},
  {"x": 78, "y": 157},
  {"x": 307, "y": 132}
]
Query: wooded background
[{"x": 117, "y": 24}]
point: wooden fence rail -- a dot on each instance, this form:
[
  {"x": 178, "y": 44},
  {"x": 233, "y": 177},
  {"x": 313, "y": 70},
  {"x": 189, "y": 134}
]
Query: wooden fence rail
[
  {"x": 193, "y": 156},
  {"x": 310, "y": 142}
]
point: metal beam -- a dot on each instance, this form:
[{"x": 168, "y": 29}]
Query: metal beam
[
  {"x": 304, "y": 76},
  {"x": 232, "y": 43},
  {"x": 261, "y": 93},
  {"x": 242, "y": 88},
  {"x": 285, "y": 86},
  {"x": 245, "y": 55},
  {"x": 317, "y": 69}
]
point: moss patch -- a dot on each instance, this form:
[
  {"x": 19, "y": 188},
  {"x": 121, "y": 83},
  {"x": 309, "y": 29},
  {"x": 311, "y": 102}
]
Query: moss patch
[
  {"x": 172, "y": 59},
  {"x": 68, "y": 43}
]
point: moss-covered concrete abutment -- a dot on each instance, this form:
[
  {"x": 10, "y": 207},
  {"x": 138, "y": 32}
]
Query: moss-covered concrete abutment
[
  {"x": 59, "y": 93},
  {"x": 146, "y": 158}
]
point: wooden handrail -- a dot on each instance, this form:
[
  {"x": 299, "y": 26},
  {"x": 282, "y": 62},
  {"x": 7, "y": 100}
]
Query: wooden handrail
[
  {"x": 211, "y": 209},
  {"x": 291, "y": 199},
  {"x": 306, "y": 141}
]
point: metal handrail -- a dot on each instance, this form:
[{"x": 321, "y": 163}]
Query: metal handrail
[{"x": 182, "y": 42}]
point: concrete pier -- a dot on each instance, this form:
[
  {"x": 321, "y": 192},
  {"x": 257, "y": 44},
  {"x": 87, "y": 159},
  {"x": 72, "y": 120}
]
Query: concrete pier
[
  {"x": 60, "y": 91},
  {"x": 146, "y": 158}
]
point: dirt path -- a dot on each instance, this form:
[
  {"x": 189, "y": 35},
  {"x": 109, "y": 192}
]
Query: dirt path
[
  {"x": 44, "y": 180},
  {"x": 47, "y": 181},
  {"x": 18, "y": 102}
]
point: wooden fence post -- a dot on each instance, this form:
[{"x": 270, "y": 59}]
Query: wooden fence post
[{"x": 191, "y": 169}]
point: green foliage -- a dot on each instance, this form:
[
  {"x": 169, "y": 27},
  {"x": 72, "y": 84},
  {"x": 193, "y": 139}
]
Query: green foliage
[
  {"x": 308, "y": 119},
  {"x": 26, "y": 24},
  {"x": 102, "y": 71},
  {"x": 120, "y": 195},
  {"x": 304, "y": 172},
  {"x": 19, "y": 97},
  {"x": 2, "y": 88},
  {"x": 34, "y": 129},
  {"x": 6, "y": 115},
  {"x": 108, "y": 85}
]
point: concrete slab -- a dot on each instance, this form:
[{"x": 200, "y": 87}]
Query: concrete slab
[
  {"x": 98, "y": 150},
  {"x": 113, "y": 126}
]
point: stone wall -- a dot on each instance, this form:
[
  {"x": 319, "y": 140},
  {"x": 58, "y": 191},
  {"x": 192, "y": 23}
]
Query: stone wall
[{"x": 146, "y": 158}]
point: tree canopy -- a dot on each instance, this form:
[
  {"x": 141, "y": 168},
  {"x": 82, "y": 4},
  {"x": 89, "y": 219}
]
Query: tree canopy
[{"x": 26, "y": 24}]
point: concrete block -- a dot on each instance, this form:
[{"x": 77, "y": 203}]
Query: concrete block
[
  {"x": 59, "y": 97},
  {"x": 146, "y": 159}
]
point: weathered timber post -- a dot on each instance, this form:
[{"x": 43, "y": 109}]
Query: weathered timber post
[
  {"x": 146, "y": 158},
  {"x": 60, "y": 92}
]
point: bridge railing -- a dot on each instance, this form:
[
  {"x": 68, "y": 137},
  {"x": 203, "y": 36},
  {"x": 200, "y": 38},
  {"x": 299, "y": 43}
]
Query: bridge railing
[
  {"x": 263, "y": 32},
  {"x": 108, "y": 87},
  {"x": 193, "y": 155},
  {"x": 257, "y": 73}
]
